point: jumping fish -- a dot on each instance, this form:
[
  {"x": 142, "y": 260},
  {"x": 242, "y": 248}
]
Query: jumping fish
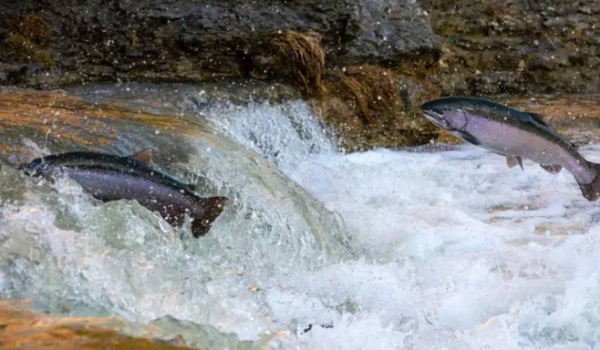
[
  {"x": 514, "y": 134},
  {"x": 109, "y": 178}
]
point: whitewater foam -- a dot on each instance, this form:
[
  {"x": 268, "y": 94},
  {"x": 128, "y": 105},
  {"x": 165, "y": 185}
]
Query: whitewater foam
[
  {"x": 450, "y": 250},
  {"x": 470, "y": 253}
]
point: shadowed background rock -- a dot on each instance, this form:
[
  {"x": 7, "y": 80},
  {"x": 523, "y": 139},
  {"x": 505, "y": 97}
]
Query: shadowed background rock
[
  {"x": 517, "y": 47},
  {"x": 188, "y": 40},
  {"x": 304, "y": 43}
]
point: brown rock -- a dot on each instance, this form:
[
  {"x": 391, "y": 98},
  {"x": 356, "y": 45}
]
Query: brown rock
[{"x": 21, "y": 328}]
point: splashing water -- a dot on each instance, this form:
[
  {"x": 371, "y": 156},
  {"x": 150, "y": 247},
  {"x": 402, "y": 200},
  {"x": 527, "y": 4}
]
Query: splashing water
[
  {"x": 448, "y": 250},
  {"x": 460, "y": 251},
  {"x": 285, "y": 134}
]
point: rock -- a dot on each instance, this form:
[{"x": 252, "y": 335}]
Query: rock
[
  {"x": 485, "y": 42},
  {"x": 67, "y": 122},
  {"x": 370, "y": 106},
  {"x": 387, "y": 30},
  {"x": 95, "y": 40},
  {"x": 23, "y": 328}
]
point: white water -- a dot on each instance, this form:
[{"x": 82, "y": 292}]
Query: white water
[
  {"x": 454, "y": 250},
  {"x": 285, "y": 134},
  {"x": 462, "y": 252},
  {"x": 458, "y": 252}
]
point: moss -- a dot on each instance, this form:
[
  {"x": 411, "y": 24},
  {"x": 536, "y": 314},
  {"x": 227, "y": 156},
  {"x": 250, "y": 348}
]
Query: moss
[
  {"x": 29, "y": 34},
  {"x": 32, "y": 27},
  {"x": 18, "y": 48}
]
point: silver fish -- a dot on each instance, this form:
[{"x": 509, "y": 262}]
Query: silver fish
[
  {"x": 108, "y": 178},
  {"x": 514, "y": 134}
]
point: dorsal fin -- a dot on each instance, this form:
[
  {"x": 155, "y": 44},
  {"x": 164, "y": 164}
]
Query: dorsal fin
[
  {"x": 144, "y": 156},
  {"x": 538, "y": 118}
]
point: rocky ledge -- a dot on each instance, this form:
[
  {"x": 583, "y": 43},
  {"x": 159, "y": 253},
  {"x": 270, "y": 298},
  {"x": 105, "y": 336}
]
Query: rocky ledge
[
  {"x": 516, "y": 47},
  {"x": 52, "y": 43}
]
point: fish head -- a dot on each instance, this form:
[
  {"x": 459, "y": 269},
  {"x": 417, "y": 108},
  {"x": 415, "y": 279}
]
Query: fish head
[
  {"x": 37, "y": 167},
  {"x": 446, "y": 115}
]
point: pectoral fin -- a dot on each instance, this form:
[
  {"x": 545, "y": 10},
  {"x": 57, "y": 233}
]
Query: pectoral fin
[
  {"x": 552, "y": 169},
  {"x": 467, "y": 137},
  {"x": 512, "y": 161}
]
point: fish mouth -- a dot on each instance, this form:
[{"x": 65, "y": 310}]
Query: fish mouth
[
  {"x": 31, "y": 172},
  {"x": 436, "y": 118},
  {"x": 30, "y": 169}
]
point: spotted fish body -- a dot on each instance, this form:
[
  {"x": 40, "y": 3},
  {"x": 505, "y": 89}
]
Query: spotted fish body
[
  {"x": 514, "y": 134},
  {"x": 108, "y": 178}
]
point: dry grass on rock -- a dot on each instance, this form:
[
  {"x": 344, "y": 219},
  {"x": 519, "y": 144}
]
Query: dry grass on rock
[
  {"x": 371, "y": 106},
  {"x": 304, "y": 60}
]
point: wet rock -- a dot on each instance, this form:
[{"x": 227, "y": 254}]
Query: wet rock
[
  {"x": 485, "y": 41},
  {"x": 22, "y": 328},
  {"x": 67, "y": 122},
  {"x": 388, "y": 30},
  {"x": 370, "y": 106},
  {"x": 95, "y": 40},
  {"x": 495, "y": 83}
]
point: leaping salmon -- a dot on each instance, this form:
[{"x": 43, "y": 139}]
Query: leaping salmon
[
  {"x": 514, "y": 134},
  {"x": 109, "y": 178}
]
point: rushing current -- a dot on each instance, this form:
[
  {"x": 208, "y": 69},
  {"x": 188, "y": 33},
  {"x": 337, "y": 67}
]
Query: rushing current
[{"x": 385, "y": 249}]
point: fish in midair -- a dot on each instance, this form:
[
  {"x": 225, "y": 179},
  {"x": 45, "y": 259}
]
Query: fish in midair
[
  {"x": 514, "y": 134},
  {"x": 109, "y": 178}
]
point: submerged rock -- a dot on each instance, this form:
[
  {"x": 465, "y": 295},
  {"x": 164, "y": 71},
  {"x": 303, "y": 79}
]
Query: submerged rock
[{"x": 21, "y": 326}]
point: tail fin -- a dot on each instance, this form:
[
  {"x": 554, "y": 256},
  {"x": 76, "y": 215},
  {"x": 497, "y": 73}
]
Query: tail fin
[
  {"x": 591, "y": 191},
  {"x": 213, "y": 207}
]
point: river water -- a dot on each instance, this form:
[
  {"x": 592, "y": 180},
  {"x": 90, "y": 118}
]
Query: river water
[{"x": 427, "y": 248}]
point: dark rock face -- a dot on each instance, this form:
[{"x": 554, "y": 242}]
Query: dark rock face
[
  {"x": 387, "y": 30},
  {"x": 56, "y": 42},
  {"x": 506, "y": 46}
]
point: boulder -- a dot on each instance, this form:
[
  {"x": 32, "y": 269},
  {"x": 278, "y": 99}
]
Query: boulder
[{"x": 63, "y": 42}]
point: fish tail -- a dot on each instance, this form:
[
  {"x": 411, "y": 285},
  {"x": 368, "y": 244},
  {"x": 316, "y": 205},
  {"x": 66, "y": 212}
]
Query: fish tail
[
  {"x": 591, "y": 191},
  {"x": 213, "y": 207}
]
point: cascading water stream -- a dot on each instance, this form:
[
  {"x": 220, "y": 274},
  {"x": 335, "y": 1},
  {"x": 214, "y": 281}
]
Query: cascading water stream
[
  {"x": 439, "y": 250},
  {"x": 74, "y": 255}
]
